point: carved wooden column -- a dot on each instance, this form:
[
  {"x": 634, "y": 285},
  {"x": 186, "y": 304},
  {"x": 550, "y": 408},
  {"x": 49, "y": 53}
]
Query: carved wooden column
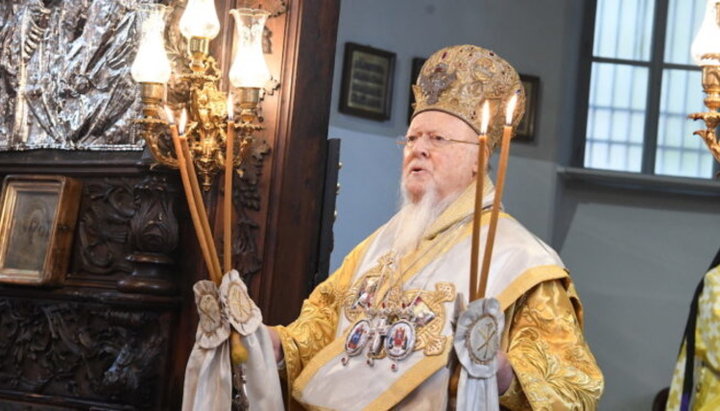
[
  {"x": 87, "y": 343},
  {"x": 295, "y": 198},
  {"x": 278, "y": 200}
]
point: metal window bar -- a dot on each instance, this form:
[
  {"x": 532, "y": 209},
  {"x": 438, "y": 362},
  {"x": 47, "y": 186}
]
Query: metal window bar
[
  {"x": 676, "y": 80},
  {"x": 613, "y": 77},
  {"x": 654, "y": 86},
  {"x": 640, "y": 63},
  {"x": 587, "y": 40},
  {"x": 687, "y": 140},
  {"x": 629, "y": 124},
  {"x": 656, "y": 68}
]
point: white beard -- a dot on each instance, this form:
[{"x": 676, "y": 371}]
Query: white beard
[{"x": 415, "y": 218}]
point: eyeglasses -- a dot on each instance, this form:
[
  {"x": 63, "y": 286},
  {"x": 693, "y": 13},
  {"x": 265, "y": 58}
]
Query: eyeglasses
[{"x": 435, "y": 141}]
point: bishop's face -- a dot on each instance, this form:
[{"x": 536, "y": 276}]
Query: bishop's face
[{"x": 431, "y": 162}]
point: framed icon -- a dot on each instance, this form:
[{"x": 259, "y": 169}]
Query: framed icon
[
  {"x": 417, "y": 63},
  {"x": 526, "y": 129},
  {"x": 37, "y": 220},
  {"x": 367, "y": 81}
]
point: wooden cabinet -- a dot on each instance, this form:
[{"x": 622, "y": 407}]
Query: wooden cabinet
[{"x": 117, "y": 332}]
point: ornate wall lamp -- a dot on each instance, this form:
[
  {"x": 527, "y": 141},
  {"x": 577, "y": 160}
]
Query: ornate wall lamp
[
  {"x": 706, "y": 52},
  {"x": 208, "y": 112},
  {"x": 205, "y": 144}
]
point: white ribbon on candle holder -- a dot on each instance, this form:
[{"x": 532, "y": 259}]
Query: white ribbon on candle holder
[
  {"x": 477, "y": 340},
  {"x": 208, "y": 374}
]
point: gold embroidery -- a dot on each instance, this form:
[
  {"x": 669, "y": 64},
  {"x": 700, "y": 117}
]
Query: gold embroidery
[
  {"x": 374, "y": 287},
  {"x": 239, "y": 305},
  {"x": 549, "y": 355},
  {"x": 362, "y": 294},
  {"x": 412, "y": 378},
  {"x": 428, "y": 336},
  {"x": 394, "y": 393},
  {"x": 706, "y": 383},
  {"x": 426, "y": 305},
  {"x": 514, "y": 398},
  {"x": 429, "y": 312},
  {"x": 213, "y": 326},
  {"x": 322, "y": 307},
  {"x": 209, "y": 310},
  {"x": 313, "y": 330}
]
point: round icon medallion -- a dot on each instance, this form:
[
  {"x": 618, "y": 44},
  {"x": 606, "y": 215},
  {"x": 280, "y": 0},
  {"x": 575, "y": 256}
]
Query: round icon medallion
[
  {"x": 357, "y": 338},
  {"x": 400, "y": 340}
]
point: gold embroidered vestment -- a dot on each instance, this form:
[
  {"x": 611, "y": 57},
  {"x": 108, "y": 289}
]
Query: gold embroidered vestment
[{"x": 543, "y": 337}]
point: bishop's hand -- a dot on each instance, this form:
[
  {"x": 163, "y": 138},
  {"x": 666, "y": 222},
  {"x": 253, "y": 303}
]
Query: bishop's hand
[{"x": 505, "y": 373}]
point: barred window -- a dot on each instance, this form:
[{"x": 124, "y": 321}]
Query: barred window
[{"x": 642, "y": 84}]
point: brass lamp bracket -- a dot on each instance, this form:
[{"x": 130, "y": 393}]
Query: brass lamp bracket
[
  {"x": 275, "y": 7},
  {"x": 711, "y": 87},
  {"x": 195, "y": 87},
  {"x": 206, "y": 132},
  {"x": 155, "y": 133},
  {"x": 712, "y": 120}
]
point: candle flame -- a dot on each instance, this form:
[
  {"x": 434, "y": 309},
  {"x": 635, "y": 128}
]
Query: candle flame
[
  {"x": 230, "y": 107},
  {"x": 485, "y": 118},
  {"x": 183, "y": 122},
  {"x": 510, "y": 109},
  {"x": 169, "y": 115}
]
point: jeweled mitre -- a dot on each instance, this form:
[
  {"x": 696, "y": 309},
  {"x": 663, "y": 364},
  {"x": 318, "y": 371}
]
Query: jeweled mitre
[{"x": 458, "y": 79}]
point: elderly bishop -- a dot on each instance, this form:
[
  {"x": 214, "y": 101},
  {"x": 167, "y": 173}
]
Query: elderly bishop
[{"x": 378, "y": 333}]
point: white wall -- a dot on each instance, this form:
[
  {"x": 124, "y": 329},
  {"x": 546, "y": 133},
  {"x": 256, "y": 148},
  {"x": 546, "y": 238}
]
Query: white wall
[
  {"x": 635, "y": 256},
  {"x": 368, "y": 188}
]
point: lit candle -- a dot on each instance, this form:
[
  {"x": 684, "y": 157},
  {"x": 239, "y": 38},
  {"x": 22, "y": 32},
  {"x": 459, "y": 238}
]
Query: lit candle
[
  {"x": 170, "y": 117},
  {"x": 183, "y": 122},
  {"x": 479, "y": 188},
  {"x": 185, "y": 178},
  {"x": 229, "y": 168},
  {"x": 485, "y": 120},
  {"x": 494, "y": 214},
  {"x": 509, "y": 111}
]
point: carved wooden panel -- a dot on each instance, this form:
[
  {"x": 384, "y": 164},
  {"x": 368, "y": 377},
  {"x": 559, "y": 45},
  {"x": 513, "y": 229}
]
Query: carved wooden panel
[
  {"x": 103, "y": 341},
  {"x": 295, "y": 178},
  {"x": 247, "y": 200},
  {"x": 126, "y": 223},
  {"x": 84, "y": 351},
  {"x": 102, "y": 243}
]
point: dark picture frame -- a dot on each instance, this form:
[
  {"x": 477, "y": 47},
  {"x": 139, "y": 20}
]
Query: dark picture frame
[
  {"x": 417, "y": 63},
  {"x": 367, "y": 82},
  {"x": 37, "y": 220},
  {"x": 525, "y": 131}
]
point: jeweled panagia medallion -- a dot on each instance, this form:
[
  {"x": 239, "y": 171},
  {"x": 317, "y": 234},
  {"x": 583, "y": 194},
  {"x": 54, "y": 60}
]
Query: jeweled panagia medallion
[
  {"x": 357, "y": 338},
  {"x": 400, "y": 340}
]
